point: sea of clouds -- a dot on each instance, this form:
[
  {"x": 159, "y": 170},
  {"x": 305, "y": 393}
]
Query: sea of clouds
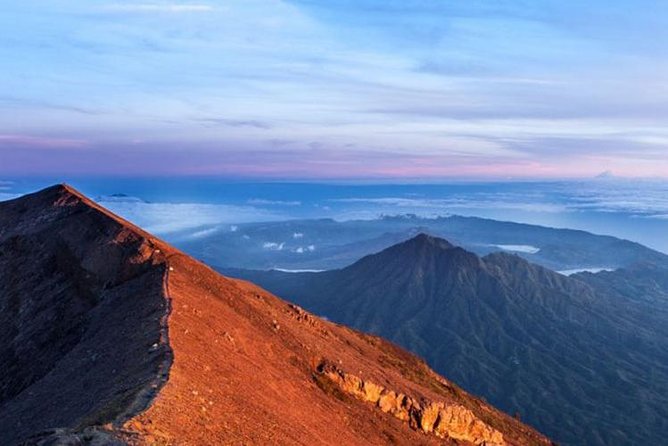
[{"x": 168, "y": 218}]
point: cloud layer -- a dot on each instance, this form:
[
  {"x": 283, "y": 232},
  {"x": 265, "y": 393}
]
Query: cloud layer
[{"x": 169, "y": 218}]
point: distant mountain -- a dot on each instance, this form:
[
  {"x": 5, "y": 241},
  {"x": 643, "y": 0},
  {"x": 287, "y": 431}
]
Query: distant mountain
[
  {"x": 606, "y": 175},
  {"x": 119, "y": 198},
  {"x": 109, "y": 336},
  {"x": 583, "y": 358},
  {"x": 328, "y": 244}
]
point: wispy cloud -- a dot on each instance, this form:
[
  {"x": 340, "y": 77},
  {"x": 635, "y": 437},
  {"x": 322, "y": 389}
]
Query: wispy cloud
[
  {"x": 527, "y": 249},
  {"x": 263, "y": 202},
  {"x": 19, "y": 103},
  {"x": 158, "y": 7},
  {"x": 274, "y": 246},
  {"x": 40, "y": 142},
  {"x": 438, "y": 88},
  {"x": 203, "y": 233},
  {"x": 235, "y": 123},
  {"x": 443, "y": 206}
]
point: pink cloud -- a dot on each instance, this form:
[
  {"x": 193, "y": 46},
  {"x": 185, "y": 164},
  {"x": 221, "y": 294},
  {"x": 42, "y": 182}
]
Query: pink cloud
[
  {"x": 355, "y": 165},
  {"x": 41, "y": 155},
  {"x": 8, "y": 141}
]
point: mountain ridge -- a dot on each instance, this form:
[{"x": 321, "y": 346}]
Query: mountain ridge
[
  {"x": 337, "y": 244},
  {"x": 78, "y": 281}
]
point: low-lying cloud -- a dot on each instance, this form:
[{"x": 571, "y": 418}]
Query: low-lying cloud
[
  {"x": 444, "y": 204},
  {"x": 273, "y": 246},
  {"x": 263, "y": 202},
  {"x": 303, "y": 249},
  {"x": 166, "y": 218}
]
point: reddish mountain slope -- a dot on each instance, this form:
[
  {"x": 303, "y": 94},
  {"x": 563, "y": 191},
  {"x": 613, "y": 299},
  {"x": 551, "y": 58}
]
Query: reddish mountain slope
[{"x": 110, "y": 336}]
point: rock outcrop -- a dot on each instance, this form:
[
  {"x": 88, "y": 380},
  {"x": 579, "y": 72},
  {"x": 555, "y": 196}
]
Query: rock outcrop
[{"x": 443, "y": 420}]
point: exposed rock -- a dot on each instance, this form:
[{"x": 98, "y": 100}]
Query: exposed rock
[{"x": 443, "y": 420}]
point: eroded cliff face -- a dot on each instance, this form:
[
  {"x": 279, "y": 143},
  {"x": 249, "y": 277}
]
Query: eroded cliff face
[{"x": 447, "y": 421}]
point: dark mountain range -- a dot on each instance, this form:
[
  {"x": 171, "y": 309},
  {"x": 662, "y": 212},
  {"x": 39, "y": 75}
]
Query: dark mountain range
[
  {"x": 327, "y": 244},
  {"x": 109, "y": 336},
  {"x": 583, "y": 358}
]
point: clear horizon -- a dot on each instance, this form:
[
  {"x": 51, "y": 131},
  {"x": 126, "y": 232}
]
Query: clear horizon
[{"x": 334, "y": 91}]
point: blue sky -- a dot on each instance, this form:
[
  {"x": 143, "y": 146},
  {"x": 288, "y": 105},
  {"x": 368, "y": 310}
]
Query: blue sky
[{"x": 335, "y": 89}]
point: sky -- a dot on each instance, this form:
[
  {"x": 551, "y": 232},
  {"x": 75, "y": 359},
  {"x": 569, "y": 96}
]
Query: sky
[{"x": 336, "y": 89}]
